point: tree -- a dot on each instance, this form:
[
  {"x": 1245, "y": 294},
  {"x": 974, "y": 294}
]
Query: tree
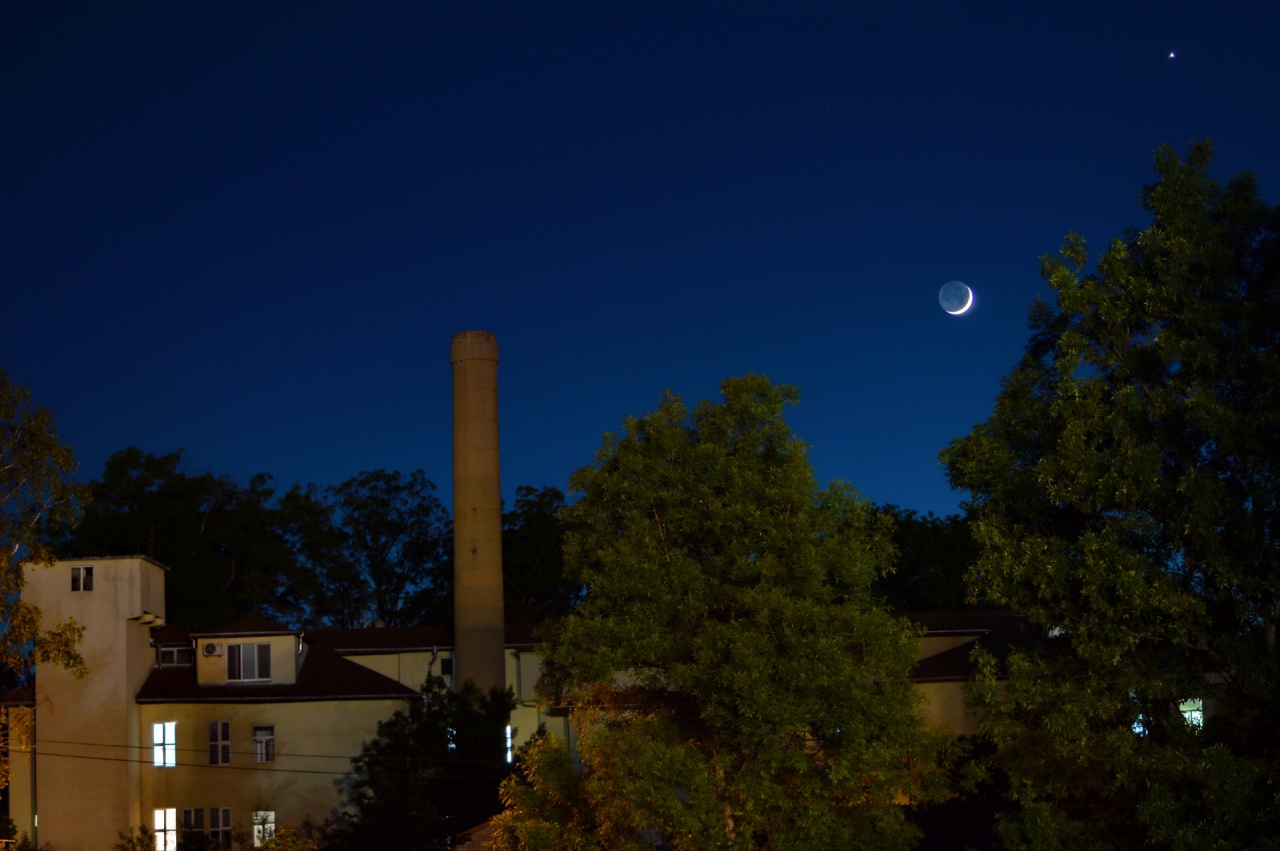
[
  {"x": 1126, "y": 495},
  {"x": 37, "y": 490},
  {"x": 378, "y": 546},
  {"x": 432, "y": 772},
  {"x": 536, "y": 588},
  {"x": 222, "y": 542},
  {"x": 734, "y": 682},
  {"x": 934, "y": 554}
]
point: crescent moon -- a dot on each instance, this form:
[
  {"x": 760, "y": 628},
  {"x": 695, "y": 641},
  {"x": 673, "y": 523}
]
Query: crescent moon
[{"x": 968, "y": 304}]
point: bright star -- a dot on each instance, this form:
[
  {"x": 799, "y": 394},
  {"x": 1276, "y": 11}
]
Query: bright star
[{"x": 1170, "y": 54}]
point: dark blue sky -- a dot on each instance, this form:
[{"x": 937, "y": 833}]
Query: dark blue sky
[{"x": 249, "y": 229}]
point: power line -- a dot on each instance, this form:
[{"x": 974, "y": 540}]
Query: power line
[
  {"x": 277, "y": 753},
  {"x": 41, "y": 753}
]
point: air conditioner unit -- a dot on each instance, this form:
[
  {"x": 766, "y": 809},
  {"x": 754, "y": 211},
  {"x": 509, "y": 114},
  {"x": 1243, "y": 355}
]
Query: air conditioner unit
[{"x": 213, "y": 649}]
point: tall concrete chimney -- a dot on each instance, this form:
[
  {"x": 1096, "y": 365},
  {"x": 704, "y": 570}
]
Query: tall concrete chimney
[{"x": 477, "y": 512}]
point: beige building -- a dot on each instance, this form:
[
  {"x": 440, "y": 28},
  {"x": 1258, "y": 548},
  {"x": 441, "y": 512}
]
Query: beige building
[{"x": 217, "y": 730}]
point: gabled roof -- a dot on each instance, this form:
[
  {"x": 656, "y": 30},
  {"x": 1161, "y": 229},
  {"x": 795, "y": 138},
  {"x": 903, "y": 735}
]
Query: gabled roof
[
  {"x": 968, "y": 621},
  {"x": 248, "y": 625},
  {"x": 169, "y": 634},
  {"x": 324, "y": 676},
  {"x": 996, "y": 630}
]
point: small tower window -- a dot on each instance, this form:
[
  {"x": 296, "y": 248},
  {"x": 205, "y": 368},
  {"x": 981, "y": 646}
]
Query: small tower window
[{"x": 82, "y": 579}]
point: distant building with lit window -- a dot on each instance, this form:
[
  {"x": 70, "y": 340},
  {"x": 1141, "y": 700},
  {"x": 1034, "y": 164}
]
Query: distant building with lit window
[{"x": 237, "y": 728}]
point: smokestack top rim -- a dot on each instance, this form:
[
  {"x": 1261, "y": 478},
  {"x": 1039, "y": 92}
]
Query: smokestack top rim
[{"x": 474, "y": 345}]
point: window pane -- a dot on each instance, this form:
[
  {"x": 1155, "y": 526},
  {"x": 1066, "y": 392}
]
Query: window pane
[
  {"x": 226, "y": 731},
  {"x": 264, "y": 661},
  {"x": 171, "y": 732},
  {"x": 213, "y": 731},
  {"x": 88, "y": 579},
  {"x": 184, "y": 656},
  {"x": 199, "y": 820},
  {"x": 226, "y": 754},
  {"x": 166, "y": 656},
  {"x": 249, "y": 661},
  {"x": 233, "y": 661},
  {"x": 214, "y": 822},
  {"x": 159, "y": 822},
  {"x": 75, "y": 579}
]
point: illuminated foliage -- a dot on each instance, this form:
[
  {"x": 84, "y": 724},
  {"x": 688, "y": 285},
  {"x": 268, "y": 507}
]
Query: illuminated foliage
[
  {"x": 734, "y": 682},
  {"x": 37, "y": 491}
]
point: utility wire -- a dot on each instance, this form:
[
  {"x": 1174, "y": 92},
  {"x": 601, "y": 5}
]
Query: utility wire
[
  {"x": 41, "y": 753},
  {"x": 277, "y": 753}
]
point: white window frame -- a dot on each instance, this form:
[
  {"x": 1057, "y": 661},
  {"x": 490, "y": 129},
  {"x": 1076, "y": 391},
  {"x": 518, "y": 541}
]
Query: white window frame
[
  {"x": 236, "y": 667},
  {"x": 219, "y": 742},
  {"x": 222, "y": 830},
  {"x": 166, "y": 828},
  {"x": 264, "y": 743},
  {"x": 264, "y": 826},
  {"x": 81, "y": 579},
  {"x": 164, "y": 744}
]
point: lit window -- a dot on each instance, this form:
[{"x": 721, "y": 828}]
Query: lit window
[
  {"x": 164, "y": 745},
  {"x": 220, "y": 826},
  {"x": 1192, "y": 712},
  {"x": 82, "y": 579},
  {"x": 264, "y": 744},
  {"x": 510, "y": 748},
  {"x": 248, "y": 661},
  {"x": 264, "y": 826},
  {"x": 219, "y": 742},
  {"x": 166, "y": 824}
]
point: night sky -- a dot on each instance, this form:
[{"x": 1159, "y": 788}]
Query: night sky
[{"x": 248, "y": 230}]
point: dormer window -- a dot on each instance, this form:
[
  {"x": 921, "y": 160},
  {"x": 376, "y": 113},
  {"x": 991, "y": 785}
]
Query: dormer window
[
  {"x": 249, "y": 662},
  {"x": 82, "y": 579},
  {"x": 176, "y": 654}
]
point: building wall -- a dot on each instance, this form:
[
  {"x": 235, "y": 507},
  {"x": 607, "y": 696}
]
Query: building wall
[
  {"x": 944, "y": 707},
  {"x": 212, "y": 670},
  {"x": 87, "y": 729},
  {"x": 315, "y": 741},
  {"x": 409, "y": 669}
]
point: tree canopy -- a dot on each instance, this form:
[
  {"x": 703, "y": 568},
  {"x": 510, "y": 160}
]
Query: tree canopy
[
  {"x": 432, "y": 771},
  {"x": 221, "y": 541},
  {"x": 536, "y": 588},
  {"x": 735, "y": 683},
  {"x": 934, "y": 554},
  {"x": 37, "y": 491},
  {"x": 1125, "y": 496},
  {"x": 378, "y": 546}
]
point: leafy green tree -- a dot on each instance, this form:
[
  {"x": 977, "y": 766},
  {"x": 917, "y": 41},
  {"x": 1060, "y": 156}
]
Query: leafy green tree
[
  {"x": 222, "y": 542},
  {"x": 37, "y": 491},
  {"x": 433, "y": 771},
  {"x": 379, "y": 546},
  {"x": 1126, "y": 495},
  {"x": 735, "y": 682},
  {"x": 934, "y": 554},
  {"x": 536, "y": 588}
]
